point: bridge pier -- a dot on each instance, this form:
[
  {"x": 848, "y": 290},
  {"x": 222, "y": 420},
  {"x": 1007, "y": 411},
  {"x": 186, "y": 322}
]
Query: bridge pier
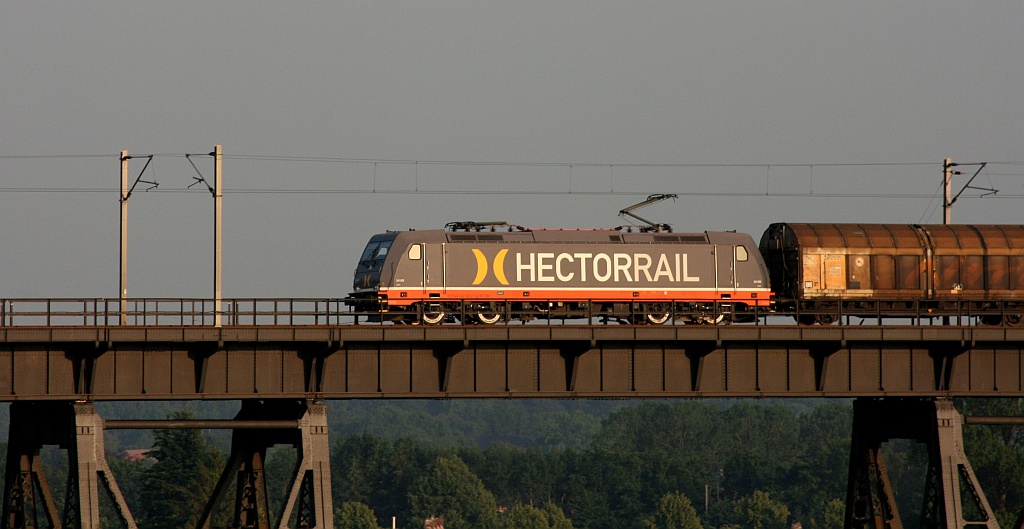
[
  {"x": 953, "y": 499},
  {"x": 309, "y": 496},
  {"x": 28, "y": 501}
]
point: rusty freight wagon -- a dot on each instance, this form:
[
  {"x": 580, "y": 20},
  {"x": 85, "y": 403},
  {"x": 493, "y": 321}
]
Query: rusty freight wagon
[
  {"x": 823, "y": 271},
  {"x": 475, "y": 275}
]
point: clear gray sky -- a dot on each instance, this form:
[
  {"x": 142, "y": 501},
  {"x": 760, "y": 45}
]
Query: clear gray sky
[{"x": 568, "y": 111}]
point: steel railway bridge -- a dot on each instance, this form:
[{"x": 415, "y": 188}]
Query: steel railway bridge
[{"x": 282, "y": 358}]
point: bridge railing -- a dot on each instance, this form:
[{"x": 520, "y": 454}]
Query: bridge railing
[
  {"x": 337, "y": 311},
  {"x": 55, "y": 312},
  {"x": 172, "y": 312}
]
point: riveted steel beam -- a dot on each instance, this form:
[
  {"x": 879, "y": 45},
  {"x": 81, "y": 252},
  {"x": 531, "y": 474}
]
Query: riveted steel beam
[{"x": 503, "y": 361}]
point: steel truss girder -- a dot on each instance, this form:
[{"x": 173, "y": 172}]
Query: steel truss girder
[
  {"x": 77, "y": 428},
  {"x": 309, "y": 496},
  {"x": 953, "y": 499}
]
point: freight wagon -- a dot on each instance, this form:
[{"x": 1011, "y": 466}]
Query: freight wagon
[{"x": 827, "y": 270}]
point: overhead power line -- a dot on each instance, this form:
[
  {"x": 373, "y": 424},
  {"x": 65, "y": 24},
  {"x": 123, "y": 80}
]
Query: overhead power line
[
  {"x": 60, "y": 156},
  {"x": 336, "y": 159},
  {"x": 726, "y": 194},
  {"x": 765, "y": 191}
]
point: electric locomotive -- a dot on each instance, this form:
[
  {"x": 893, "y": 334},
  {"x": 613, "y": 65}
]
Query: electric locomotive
[{"x": 484, "y": 272}]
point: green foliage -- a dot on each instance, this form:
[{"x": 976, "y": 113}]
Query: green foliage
[
  {"x": 56, "y": 469},
  {"x": 834, "y": 514},
  {"x": 354, "y": 515},
  {"x": 907, "y": 463},
  {"x": 279, "y": 468},
  {"x": 560, "y": 454},
  {"x": 176, "y": 488},
  {"x": 674, "y": 512},
  {"x": 119, "y": 440},
  {"x": 523, "y": 516},
  {"x": 378, "y": 473},
  {"x": 759, "y": 511},
  {"x": 451, "y": 491},
  {"x": 128, "y": 475},
  {"x": 601, "y": 474},
  {"x": 996, "y": 454},
  {"x": 640, "y": 453},
  {"x": 556, "y": 517},
  {"x": 549, "y": 424},
  {"x": 515, "y": 474},
  {"x": 682, "y": 425},
  {"x": 817, "y": 474},
  {"x": 565, "y": 429}
]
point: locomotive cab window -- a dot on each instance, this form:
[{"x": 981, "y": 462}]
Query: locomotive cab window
[
  {"x": 415, "y": 252},
  {"x": 375, "y": 251},
  {"x": 741, "y": 254}
]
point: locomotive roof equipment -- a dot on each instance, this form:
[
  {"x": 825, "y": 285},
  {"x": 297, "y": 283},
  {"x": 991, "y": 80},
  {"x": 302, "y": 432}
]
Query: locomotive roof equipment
[{"x": 651, "y": 199}]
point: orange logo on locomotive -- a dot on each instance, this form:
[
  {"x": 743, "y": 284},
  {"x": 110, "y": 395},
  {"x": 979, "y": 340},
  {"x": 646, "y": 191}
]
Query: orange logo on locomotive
[{"x": 481, "y": 267}]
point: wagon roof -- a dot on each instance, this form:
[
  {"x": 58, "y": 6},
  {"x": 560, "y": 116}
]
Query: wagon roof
[{"x": 951, "y": 236}]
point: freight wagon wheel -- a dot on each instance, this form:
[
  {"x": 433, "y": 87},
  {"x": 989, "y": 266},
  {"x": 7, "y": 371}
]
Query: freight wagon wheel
[
  {"x": 1012, "y": 320},
  {"x": 487, "y": 318},
  {"x": 993, "y": 320},
  {"x": 825, "y": 319},
  {"x": 805, "y": 319}
]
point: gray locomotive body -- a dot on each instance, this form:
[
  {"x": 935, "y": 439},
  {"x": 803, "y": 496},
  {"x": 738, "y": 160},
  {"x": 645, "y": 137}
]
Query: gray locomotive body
[{"x": 484, "y": 276}]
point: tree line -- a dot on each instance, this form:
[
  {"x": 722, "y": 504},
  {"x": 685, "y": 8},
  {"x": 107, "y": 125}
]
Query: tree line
[{"x": 658, "y": 464}]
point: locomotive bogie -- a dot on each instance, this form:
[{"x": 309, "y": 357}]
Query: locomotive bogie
[{"x": 470, "y": 312}]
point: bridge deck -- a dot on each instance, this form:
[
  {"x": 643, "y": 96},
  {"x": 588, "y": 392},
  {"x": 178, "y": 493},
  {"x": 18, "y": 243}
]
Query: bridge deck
[{"x": 620, "y": 361}]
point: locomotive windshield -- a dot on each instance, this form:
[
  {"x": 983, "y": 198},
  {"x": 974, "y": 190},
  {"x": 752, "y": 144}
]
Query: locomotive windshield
[{"x": 374, "y": 253}]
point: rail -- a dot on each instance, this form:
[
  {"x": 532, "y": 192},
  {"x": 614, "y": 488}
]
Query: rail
[{"x": 108, "y": 312}]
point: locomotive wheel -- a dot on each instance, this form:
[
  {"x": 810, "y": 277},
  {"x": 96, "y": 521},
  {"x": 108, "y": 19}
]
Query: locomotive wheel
[
  {"x": 657, "y": 318},
  {"x": 653, "y": 313},
  {"x": 656, "y": 314},
  {"x": 708, "y": 319},
  {"x": 487, "y": 318},
  {"x": 432, "y": 316}
]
